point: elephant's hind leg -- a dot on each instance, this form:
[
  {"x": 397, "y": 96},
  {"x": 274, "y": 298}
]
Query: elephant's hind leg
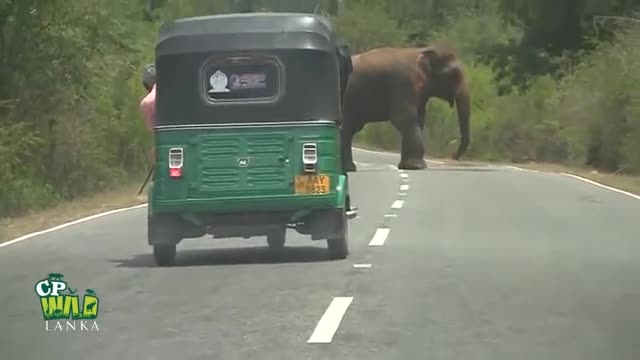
[{"x": 349, "y": 129}]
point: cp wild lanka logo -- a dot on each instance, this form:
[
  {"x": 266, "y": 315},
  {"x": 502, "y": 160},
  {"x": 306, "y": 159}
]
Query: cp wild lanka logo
[{"x": 61, "y": 306}]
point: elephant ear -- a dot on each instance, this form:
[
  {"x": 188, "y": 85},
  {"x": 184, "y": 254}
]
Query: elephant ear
[
  {"x": 439, "y": 62},
  {"x": 427, "y": 61}
]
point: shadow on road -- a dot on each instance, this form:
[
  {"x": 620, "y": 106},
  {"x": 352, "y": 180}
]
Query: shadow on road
[{"x": 231, "y": 256}]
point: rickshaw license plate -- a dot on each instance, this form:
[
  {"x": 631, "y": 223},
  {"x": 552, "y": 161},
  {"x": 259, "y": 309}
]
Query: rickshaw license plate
[{"x": 312, "y": 184}]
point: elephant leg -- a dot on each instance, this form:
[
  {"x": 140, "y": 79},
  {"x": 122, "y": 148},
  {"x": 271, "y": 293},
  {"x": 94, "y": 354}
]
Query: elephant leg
[
  {"x": 422, "y": 110},
  {"x": 349, "y": 130},
  {"x": 412, "y": 157},
  {"x": 421, "y": 123},
  {"x": 412, "y": 154}
]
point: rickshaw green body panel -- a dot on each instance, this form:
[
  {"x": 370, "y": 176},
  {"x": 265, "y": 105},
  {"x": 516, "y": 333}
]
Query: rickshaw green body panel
[{"x": 213, "y": 181}]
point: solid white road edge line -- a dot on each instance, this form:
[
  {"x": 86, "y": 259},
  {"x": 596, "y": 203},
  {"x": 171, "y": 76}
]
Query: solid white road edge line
[
  {"x": 580, "y": 178},
  {"x": 589, "y": 181},
  {"x": 380, "y": 237},
  {"x": 330, "y": 320},
  {"x": 62, "y": 226},
  {"x": 397, "y": 204}
]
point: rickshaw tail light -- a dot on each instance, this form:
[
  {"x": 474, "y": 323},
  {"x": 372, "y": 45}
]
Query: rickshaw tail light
[
  {"x": 176, "y": 160},
  {"x": 309, "y": 156},
  {"x": 175, "y": 173}
]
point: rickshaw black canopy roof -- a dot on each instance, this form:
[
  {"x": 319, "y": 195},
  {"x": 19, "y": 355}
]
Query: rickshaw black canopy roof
[
  {"x": 308, "y": 74},
  {"x": 247, "y": 31}
]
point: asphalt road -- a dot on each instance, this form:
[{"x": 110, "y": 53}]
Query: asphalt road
[{"x": 465, "y": 263}]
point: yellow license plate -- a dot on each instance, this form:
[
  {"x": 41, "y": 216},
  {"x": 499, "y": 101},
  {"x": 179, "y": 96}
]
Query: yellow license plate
[{"x": 312, "y": 184}]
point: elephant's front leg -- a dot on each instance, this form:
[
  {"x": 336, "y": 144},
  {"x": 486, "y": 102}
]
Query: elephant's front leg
[
  {"x": 412, "y": 148},
  {"x": 412, "y": 156}
]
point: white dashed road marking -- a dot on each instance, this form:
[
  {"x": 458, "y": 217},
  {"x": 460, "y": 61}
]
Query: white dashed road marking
[
  {"x": 361, "y": 266},
  {"x": 330, "y": 320},
  {"x": 380, "y": 237},
  {"x": 397, "y": 204},
  {"x": 402, "y": 194},
  {"x": 390, "y": 215},
  {"x": 404, "y": 175},
  {"x": 404, "y": 187}
]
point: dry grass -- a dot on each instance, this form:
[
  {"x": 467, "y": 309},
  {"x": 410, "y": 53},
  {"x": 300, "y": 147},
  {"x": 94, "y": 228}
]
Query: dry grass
[{"x": 124, "y": 196}]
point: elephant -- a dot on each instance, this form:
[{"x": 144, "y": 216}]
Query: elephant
[{"x": 395, "y": 84}]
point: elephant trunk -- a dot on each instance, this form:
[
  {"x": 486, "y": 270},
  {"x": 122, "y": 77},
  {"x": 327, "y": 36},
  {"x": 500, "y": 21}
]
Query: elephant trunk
[{"x": 463, "y": 106}]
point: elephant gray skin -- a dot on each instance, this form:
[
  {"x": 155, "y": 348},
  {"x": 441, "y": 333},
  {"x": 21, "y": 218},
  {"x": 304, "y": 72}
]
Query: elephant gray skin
[{"x": 395, "y": 84}]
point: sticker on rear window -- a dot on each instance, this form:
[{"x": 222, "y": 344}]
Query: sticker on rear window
[
  {"x": 248, "y": 81},
  {"x": 251, "y": 79},
  {"x": 218, "y": 82}
]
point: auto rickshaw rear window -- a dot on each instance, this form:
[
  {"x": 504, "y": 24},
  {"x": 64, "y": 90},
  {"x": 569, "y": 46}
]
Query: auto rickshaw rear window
[{"x": 242, "y": 79}]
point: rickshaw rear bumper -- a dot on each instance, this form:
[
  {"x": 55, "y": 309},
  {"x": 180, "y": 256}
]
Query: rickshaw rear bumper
[
  {"x": 318, "y": 215},
  {"x": 267, "y": 203}
]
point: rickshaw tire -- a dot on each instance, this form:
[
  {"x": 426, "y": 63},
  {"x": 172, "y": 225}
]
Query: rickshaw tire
[
  {"x": 338, "y": 247},
  {"x": 277, "y": 238},
  {"x": 165, "y": 254}
]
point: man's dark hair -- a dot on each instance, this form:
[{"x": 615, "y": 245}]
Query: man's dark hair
[{"x": 149, "y": 76}]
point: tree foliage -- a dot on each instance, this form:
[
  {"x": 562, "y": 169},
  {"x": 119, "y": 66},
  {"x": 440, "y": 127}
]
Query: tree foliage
[{"x": 551, "y": 81}]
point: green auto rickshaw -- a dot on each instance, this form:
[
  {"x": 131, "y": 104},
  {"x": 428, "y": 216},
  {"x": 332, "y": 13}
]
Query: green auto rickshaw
[{"x": 247, "y": 132}]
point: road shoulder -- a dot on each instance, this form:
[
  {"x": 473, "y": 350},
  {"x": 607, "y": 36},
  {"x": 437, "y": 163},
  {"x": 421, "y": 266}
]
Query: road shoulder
[
  {"x": 121, "y": 197},
  {"x": 125, "y": 196},
  {"x": 626, "y": 183}
]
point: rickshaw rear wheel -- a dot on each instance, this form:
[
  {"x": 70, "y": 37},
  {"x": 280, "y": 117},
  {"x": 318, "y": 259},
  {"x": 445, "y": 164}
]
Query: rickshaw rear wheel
[
  {"x": 165, "y": 254},
  {"x": 162, "y": 232},
  {"x": 277, "y": 238},
  {"x": 338, "y": 246}
]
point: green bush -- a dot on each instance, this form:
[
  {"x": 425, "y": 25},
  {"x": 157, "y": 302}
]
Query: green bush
[{"x": 69, "y": 123}]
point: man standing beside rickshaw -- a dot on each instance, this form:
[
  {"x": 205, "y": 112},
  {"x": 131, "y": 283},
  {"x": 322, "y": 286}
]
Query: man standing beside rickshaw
[{"x": 148, "y": 102}]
